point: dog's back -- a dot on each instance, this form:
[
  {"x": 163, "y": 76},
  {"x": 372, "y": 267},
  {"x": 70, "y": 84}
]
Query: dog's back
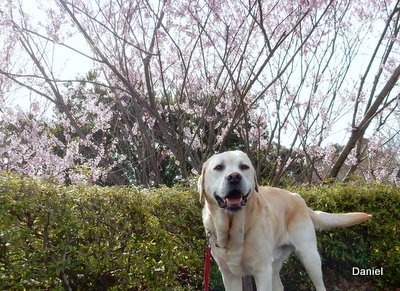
[{"x": 292, "y": 205}]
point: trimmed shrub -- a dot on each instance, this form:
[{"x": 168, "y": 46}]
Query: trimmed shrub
[
  {"x": 93, "y": 238},
  {"x": 119, "y": 238},
  {"x": 373, "y": 244}
]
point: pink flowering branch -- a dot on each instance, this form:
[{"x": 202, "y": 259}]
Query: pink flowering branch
[{"x": 174, "y": 82}]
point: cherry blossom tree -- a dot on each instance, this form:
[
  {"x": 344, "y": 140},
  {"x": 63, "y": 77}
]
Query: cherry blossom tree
[{"x": 172, "y": 82}]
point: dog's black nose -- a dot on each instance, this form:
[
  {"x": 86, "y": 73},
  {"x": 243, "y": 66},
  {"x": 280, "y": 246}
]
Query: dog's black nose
[{"x": 234, "y": 178}]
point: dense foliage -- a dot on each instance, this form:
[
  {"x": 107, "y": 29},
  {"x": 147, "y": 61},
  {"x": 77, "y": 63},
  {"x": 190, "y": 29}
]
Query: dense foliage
[
  {"x": 119, "y": 238},
  {"x": 374, "y": 244},
  {"x": 94, "y": 238}
]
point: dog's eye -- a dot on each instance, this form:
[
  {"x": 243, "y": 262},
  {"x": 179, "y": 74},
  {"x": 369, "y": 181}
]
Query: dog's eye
[
  {"x": 219, "y": 167},
  {"x": 244, "y": 167}
]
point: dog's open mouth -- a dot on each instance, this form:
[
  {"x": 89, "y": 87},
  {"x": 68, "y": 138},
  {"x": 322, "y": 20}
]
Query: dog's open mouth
[{"x": 234, "y": 201}]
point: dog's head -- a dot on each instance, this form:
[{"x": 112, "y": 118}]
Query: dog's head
[{"x": 228, "y": 180}]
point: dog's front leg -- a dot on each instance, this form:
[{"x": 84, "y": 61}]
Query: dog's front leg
[
  {"x": 263, "y": 278},
  {"x": 231, "y": 282}
]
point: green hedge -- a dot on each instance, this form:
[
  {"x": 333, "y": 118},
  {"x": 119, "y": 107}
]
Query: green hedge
[
  {"x": 94, "y": 238},
  {"x": 374, "y": 244},
  {"x": 119, "y": 238}
]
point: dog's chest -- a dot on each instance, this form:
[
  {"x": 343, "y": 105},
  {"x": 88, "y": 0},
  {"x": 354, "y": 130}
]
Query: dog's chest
[
  {"x": 242, "y": 259},
  {"x": 239, "y": 242}
]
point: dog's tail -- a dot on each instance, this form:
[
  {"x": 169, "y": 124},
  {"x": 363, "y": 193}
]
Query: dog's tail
[{"x": 323, "y": 220}]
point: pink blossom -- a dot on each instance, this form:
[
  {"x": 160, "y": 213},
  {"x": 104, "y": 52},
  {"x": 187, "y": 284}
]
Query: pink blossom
[
  {"x": 282, "y": 69},
  {"x": 351, "y": 160}
]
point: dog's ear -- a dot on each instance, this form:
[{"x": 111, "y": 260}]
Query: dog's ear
[
  {"x": 200, "y": 186},
  {"x": 255, "y": 181}
]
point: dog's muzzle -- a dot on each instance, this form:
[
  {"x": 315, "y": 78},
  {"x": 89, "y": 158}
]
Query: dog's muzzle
[{"x": 233, "y": 201}]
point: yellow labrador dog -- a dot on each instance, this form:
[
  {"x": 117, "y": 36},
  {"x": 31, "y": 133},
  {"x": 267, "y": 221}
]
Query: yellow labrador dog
[{"x": 254, "y": 229}]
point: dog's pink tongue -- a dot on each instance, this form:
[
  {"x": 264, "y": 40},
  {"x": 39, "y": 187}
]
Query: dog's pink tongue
[{"x": 233, "y": 201}]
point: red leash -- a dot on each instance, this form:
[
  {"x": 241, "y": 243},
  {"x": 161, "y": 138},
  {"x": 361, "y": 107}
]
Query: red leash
[{"x": 207, "y": 263}]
